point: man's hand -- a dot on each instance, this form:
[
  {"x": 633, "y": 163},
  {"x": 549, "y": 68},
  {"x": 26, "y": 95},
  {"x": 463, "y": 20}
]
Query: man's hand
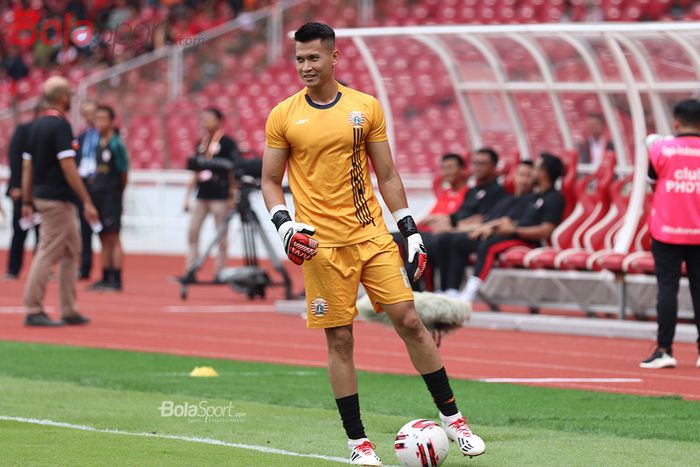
[
  {"x": 27, "y": 211},
  {"x": 506, "y": 227},
  {"x": 15, "y": 194},
  {"x": 416, "y": 253},
  {"x": 296, "y": 237},
  {"x": 90, "y": 214}
]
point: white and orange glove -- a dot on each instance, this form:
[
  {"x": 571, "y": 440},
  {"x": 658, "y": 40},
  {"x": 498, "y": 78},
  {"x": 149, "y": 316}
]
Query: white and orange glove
[
  {"x": 416, "y": 253},
  {"x": 296, "y": 237}
]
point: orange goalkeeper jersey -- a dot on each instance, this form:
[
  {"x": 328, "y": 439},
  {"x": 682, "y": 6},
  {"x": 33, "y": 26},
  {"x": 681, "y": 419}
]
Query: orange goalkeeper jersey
[{"x": 328, "y": 164}]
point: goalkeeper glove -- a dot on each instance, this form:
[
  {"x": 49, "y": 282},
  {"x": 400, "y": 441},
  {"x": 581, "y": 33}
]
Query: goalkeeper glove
[
  {"x": 417, "y": 255},
  {"x": 296, "y": 237}
]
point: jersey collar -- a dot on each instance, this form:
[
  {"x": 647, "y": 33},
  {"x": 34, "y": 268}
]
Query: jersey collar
[{"x": 323, "y": 106}]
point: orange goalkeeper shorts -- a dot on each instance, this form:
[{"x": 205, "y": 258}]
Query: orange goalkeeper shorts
[{"x": 333, "y": 276}]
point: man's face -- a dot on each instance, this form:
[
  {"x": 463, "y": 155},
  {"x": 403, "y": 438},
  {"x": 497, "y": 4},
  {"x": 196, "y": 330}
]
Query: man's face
[
  {"x": 482, "y": 166},
  {"x": 594, "y": 127},
  {"x": 209, "y": 121},
  {"x": 315, "y": 61},
  {"x": 450, "y": 171},
  {"x": 88, "y": 112},
  {"x": 524, "y": 179},
  {"x": 102, "y": 121}
]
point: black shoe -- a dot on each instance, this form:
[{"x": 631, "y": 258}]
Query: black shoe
[
  {"x": 99, "y": 285},
  {"x": 41, "y": 319},
  {"x": 9, "y": 276},
  {"x": 76, "y": 319}
]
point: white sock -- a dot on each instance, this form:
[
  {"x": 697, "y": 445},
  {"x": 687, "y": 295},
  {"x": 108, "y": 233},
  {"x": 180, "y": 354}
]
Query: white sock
[
  {"x": 468, "y": 294},
  {"x": 452, "y": 293},
  {"x": 356, "y": 442},
  {"x": 451, "y": 418}
]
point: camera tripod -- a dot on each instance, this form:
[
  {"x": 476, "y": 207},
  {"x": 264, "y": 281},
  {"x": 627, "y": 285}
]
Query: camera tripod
[{"x": 250, "y": 279}]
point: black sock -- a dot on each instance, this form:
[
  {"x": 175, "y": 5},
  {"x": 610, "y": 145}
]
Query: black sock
[
  {"x": 349, "y": 408},
  {"x": 439, "y": 387}
]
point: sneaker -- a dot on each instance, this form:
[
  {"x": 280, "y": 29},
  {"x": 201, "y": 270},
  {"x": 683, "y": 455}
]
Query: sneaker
[
  {"x": 458, "y": 430},
  {"x": 10, "y": 276},
  {"x": 41, "y": 319},
  {"x": 76, "y": 319},
  {"x": 659, "y": 359},
  {"x": 362, "y": 452}
]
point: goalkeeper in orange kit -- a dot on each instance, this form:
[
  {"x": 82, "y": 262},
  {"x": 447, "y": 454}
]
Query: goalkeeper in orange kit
[{"x": 327, "y": 133}]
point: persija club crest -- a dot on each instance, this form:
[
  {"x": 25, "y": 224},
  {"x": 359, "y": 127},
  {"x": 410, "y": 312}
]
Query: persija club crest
[
  {"x": 319, "y": 306},
  {"x": 356, "y": 119}
]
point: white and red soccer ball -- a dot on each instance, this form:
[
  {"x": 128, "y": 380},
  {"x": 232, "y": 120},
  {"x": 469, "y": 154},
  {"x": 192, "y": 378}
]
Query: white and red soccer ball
[{"x": 421, "y": 443}]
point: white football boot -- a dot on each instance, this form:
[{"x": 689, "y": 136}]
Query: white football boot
[
  {"x": 659, "y": 359},
  {"x": 362, "y": 452},
  {"x": 458, "y": 430}
]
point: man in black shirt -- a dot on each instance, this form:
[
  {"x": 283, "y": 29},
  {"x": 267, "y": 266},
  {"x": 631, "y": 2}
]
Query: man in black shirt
[
  {"x": 215, "y": 188},
  {"x": 18, "y": 145},
  {"x": 466, "y": 242},
  {"x": 476, "y": 205},
  {"x": 535, "y": 223},
  {"x": 50, "y": 182}
]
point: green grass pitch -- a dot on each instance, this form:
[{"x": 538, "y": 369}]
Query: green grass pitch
[{"x": 262, "y": 407}]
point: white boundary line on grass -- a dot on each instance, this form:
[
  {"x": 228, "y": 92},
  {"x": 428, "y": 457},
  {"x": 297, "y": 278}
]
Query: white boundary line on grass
[
  {"x": 561, "y": 380},
  {"x": 191, "y": 439}
]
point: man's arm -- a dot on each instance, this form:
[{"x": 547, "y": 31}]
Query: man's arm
[
  {"x": 390, "y": 184},
  {"x": 392, "y": 190},
  {"x": 274, "y": 165},
  {"x": 27, "y": 185},
  {"x": 70, "y": 172}
]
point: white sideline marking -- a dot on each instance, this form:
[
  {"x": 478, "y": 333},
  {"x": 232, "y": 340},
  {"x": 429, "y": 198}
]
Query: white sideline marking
[
  {"x": 220, "y": 309},
  {"x": 11, "y": 310},
  {"x": 191, "y": 439},
  {"x": 561, "y": 380}
]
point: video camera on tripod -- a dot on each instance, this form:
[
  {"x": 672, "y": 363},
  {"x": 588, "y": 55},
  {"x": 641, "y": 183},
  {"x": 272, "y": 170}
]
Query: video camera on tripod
[{"x": 250, "y": 278}]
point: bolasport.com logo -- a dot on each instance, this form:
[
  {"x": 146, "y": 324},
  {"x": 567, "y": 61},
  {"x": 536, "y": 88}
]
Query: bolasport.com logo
[
  {"x": 28, "y": 28},
  {"x": 201, "y": 411}
]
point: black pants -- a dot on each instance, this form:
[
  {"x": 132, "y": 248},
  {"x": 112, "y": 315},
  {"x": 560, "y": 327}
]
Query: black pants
[
  {"x": 668, "y": 259},
  {"x": 457, "y": 256},
  {"x": 86, "y": 240},
  {"x": 19, "y": 237}
]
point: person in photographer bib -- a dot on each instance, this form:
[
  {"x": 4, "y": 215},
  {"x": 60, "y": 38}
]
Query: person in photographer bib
[{"x": 214, "y": 187}]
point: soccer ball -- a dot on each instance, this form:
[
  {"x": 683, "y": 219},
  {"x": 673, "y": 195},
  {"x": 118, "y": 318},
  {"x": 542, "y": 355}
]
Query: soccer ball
[{"x": 421, "y": 443}]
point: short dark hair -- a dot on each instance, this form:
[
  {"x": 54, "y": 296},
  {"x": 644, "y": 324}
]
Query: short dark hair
[
  {"x": 312, "y": 31},
  {"x": 493, "y": 155},
  {"x": 552, "y": 165},
  {"x": 106, "y": 108},
  {"x": 687, "y": 112},
  {"x": 215, "y": 112},
  {"x": 527, "y": 162},
  {"x": 451, "y": 156}
]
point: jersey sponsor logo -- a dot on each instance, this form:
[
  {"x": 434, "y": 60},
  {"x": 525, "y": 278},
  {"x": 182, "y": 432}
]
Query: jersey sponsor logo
[
  {"x": 539, "y": 203},
  {"x": 318, "y": 306},
  {"x": 480, "y": 194},
  {"x": 356, "y": 119},
  {"x": 106, "y": 155},
  {"x": 301, "y": 121}
]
